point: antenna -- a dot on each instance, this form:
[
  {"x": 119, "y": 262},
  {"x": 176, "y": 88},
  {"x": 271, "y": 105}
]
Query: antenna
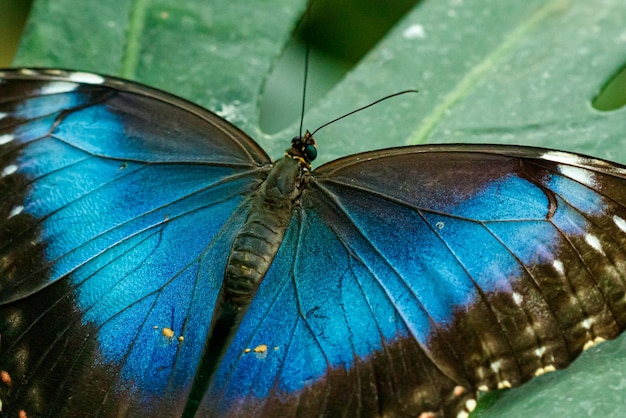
[
  {"x": 306, "y": 76},
  {"x": 363, "y": 108},
  {"x": 307, "y": 54}
]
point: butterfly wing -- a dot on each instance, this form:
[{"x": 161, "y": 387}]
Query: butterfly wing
[
  {"x": 412, "y": 278},
  {"x": 118, "y": 206}
]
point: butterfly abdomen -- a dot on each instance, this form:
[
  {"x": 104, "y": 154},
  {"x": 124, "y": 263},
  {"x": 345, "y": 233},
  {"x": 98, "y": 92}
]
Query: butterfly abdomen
[
  {"x": 260, "y": 237},
  {"x": 252, "y": 252}
]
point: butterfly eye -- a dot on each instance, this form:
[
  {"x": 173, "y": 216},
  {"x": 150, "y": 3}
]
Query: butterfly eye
[{"x": 310, "y": 152}]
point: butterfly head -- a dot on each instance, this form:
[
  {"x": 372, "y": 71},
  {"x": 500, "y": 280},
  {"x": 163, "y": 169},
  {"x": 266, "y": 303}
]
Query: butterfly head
[{"x": 304, "y": 149}]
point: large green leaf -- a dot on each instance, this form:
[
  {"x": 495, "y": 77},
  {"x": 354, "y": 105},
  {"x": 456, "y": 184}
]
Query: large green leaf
[
  {"x": 216, "y": 53},
  {"x": 516, "y": 72}
]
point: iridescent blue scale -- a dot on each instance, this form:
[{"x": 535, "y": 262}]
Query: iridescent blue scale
[{"x": 155, "y": 262}]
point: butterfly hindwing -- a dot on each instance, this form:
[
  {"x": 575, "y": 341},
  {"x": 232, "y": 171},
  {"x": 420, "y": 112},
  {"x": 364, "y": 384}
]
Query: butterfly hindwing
[{"x": 322, "y": 338}]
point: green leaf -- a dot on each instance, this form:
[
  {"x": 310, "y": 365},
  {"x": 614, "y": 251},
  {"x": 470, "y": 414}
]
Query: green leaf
[
  {"x": 216, "y": 53},
  {"x": 515, "y": 72}
]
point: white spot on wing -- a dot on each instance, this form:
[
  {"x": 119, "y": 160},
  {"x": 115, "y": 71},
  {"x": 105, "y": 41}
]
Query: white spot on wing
[
  {"x": 505, "y": 384},
  {"x": 540, "y": 352},
  {"x": 470, "y": 405},
  {"x": 495, "y": 366},
  {"x": 581, "y": 175},
  {"x": 593, "y": 342},
  {"x": 58, "y": 87},
  {"x": 6, "y": 138},
  {"x": 562, "y": 157},
  {"x": 517, "y": 298},
  {"x": 16, "y": 211},
  {"x": 594, "y": 242},
  {"x": 8, "y": 170},
  {"x": 587, "y": 323},
  {"x": 544, "y": 370},
  {"x": 3, "y": 115},
  {"x": 558, "y": 266},
  {"x": 415, "y": 31},
  {"x": 86, "y": 78},
  {"x": 458, "y": 391},
  {"x": 573, "y": 159},
  {"x": 621, "y": 224}
]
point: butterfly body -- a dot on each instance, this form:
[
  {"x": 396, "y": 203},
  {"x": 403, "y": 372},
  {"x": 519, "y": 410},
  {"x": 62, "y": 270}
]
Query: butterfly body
[
  {"x": 256, "y": 244},
  {"x": 251, "y": 255},
  {"x": 154, "y": 262}
]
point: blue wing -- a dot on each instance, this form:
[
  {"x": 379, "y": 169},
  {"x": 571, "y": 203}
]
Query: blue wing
[
  {"x": 118, "y": 206},
  {"x": 412, "y": 278}
]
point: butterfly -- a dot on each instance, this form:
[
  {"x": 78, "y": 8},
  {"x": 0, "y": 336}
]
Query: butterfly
[{"x": 154, "y": 261}]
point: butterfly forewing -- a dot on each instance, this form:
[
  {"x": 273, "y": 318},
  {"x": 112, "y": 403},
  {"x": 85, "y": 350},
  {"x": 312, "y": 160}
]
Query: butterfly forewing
[
  {"x": 503, "y": 262},
  {"x": 118, "y": 206}
]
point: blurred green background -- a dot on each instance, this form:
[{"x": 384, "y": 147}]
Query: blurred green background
[
  {"x": 336, "y": 43},
  {"x": 13, "y": 14}
]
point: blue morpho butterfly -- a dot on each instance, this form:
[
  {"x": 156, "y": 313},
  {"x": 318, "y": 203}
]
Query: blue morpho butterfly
[{"x": 155, "y": 262}]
